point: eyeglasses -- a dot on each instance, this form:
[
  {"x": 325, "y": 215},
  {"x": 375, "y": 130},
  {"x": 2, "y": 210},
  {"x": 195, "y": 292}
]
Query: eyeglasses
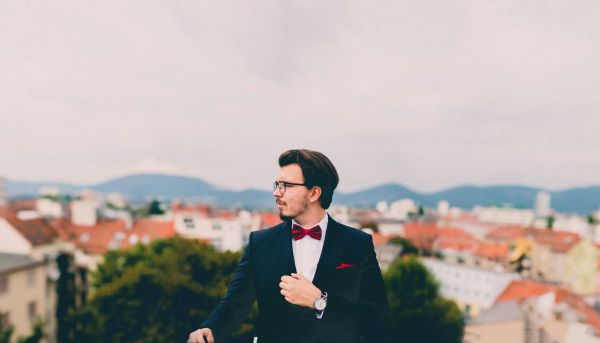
[{"x": 282, "y": 185}]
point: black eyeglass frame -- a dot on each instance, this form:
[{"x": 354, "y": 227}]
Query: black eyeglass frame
[{"x": 285, "y": 184}]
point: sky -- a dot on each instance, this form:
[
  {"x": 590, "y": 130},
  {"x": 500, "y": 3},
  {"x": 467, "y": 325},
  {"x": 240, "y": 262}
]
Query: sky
[{"x": 428, "y": 94}]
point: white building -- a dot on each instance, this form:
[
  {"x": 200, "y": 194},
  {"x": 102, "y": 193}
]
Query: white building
[
  {"x": 390, "y": 226},
  {"x": 443, "y": 208},
  {"x": 542, "y": 204},
  {"x": 47, "y": 204},
  {"x": 83, "y": 213},
  {"x": 401, "y": 209},
  {"x": 223, "y": 233},
  {"x": 473, "y": 289},
  {"x": 504, "y": 216}
]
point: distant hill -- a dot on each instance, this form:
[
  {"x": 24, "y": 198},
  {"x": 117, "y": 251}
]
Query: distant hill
[{"x": 141, "y": 187}]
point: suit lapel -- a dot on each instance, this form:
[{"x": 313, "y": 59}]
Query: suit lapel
[
  {"x": 332, "y": 249},
  {"x": 283, "y": 246}
]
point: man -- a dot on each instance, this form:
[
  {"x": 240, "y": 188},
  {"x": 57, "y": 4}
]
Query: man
[{"x": 315, "y": 280}]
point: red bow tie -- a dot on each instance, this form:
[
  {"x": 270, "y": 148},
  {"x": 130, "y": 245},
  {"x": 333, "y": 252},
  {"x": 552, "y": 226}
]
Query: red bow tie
[{"x": 298, "y": 232}]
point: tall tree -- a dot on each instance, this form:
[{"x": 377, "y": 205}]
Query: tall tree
[
  {"x": 155, "y": 293},
  {"x": 418, "y": 312}
]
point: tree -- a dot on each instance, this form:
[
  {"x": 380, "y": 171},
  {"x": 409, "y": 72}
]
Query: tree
[
  {"x": 155, "y": 293},
  {"x": 37, "y": 333},
  {"x": 407, "y": 247},
  {"x": 65, "y": 294},
  {"x": 7, "y": 331},
  {"x": 419, "y": 313},
  {"x": 155, "y": 208}
]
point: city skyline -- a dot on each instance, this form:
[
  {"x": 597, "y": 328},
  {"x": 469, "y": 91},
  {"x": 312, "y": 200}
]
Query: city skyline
[{"x": 423, "y": 94}]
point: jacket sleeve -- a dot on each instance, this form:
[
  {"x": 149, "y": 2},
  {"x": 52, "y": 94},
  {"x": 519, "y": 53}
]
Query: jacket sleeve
[
  {"x": 371, "y": 311},
  {"x": 237, "y": 302}
]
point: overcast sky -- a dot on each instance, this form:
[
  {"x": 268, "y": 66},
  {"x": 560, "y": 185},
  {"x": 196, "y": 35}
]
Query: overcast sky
[{"x": 429, "y": 94}]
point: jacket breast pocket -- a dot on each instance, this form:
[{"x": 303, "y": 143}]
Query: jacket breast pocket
[{"x": 346, "y": 282}]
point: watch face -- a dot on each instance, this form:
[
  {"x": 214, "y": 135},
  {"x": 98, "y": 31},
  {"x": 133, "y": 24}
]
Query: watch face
[{"x": 320, "y": 304}]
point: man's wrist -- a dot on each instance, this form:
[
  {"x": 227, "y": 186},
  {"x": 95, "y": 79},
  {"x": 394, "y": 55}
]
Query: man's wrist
[{"x": 316, "y": 294}]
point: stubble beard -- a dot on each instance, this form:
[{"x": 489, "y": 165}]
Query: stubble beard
[{"x": 292, "y": 216}]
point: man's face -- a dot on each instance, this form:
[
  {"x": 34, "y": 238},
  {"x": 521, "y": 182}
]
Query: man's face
[{"x": 295, "y": 199}]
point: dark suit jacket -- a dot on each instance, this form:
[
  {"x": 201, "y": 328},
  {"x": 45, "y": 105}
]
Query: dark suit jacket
[{"x": 357, "y": 309}]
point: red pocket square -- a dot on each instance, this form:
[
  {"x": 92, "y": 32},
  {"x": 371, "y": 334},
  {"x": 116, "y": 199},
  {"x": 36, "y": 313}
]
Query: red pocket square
[{"x": 344, "y": 265}]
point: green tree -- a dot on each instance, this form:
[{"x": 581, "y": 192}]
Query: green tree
[
  {"x": 6, "y": 332},
  {"x": 155, "y": 293},
  {"x": 418, "y": 312},
  {"x": 155, "y": 208},
  {"x": 407, "y": 247},
  {"x": 37, "y": 333}
]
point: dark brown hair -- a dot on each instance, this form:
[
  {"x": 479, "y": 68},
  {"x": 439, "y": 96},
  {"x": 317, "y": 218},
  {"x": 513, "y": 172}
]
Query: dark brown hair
[{"x": 317, "y": 170}]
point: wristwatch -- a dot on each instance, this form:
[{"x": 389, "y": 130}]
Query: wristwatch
[{"x": 321, "y": 302}]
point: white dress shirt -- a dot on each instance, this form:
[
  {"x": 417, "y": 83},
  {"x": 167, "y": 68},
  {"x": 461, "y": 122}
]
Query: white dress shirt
[{"x": 307, "y": 250}]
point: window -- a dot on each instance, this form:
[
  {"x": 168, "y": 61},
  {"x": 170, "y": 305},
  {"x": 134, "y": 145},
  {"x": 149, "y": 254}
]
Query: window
[
  {"x": 5, "y": 319},
  {"x": 189, "y": 223},
  {"x": 85, "y": 237},
  {"x": 3, "y": 284},
  {"x": 32, "y": 310}
]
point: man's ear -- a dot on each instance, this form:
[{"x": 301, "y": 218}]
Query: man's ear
[{"x": 315, "y": 194}]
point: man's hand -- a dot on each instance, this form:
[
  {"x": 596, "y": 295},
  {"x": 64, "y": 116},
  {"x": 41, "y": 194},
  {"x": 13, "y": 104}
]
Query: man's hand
[
  {"x": 298, "y": 290},
  {"x": 198, "y": 336}
]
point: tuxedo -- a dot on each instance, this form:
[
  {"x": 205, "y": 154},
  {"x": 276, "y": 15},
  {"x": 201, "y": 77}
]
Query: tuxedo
[{"x": 357, "y": 309}]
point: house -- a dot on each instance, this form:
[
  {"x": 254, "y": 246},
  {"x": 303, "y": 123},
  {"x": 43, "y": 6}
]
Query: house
[
  {"x": 474, "y": 289},
  {"x": 23, "y": 287},
  {"x": 581, "y": 268},
  {"x": 223, "y": 229},
  {"x": 93, "y": 242},
  {"x": 504, "y": 322},
  {"x": 553, "y": 314}
]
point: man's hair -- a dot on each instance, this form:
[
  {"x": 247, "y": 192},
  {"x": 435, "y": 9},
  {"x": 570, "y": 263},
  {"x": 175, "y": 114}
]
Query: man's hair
[{"x": 317, "y": 170}]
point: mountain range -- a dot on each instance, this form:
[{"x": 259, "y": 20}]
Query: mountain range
[{"x": 142, "y": 187}]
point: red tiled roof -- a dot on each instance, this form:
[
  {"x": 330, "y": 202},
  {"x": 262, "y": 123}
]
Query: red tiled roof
[
  {"x": 455, "y": 239},
  {"x": 37, "y": 231},
  {"x": 558, "y": 241},
  {"x": 506, "y": 233},
  {"x": 522, "y": 289},
  {"x": 269, "y": 219},
  {"x": 106, "y": 235},
  {"x": 496, "y": 251},
  {"x": 203, "y": 210},
  {"x": 379, "y": 239},
  {"x": 421, "y": 235}
]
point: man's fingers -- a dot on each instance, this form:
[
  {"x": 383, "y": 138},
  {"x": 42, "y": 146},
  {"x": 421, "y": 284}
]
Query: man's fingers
[
  {"x": 201, "y": 336},
  {"x": 286, "y": 286},
  {"x": 286, "y": 278}
]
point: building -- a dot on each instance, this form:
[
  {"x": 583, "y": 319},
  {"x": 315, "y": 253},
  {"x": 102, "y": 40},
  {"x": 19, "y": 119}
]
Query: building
[
  {"x": 23, "y": 292},
  {"x": 503, "y": 322},
  {"x": 505, "y": 216},
  {"x": 225, "y": 230},
  {"x": 473, "y": 289},
  {"x": 542, "y": 204},
  {"x": 552, "y": 314}
]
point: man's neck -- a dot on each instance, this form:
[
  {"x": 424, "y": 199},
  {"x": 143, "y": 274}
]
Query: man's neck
[{"x": 310, "y": 218}]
